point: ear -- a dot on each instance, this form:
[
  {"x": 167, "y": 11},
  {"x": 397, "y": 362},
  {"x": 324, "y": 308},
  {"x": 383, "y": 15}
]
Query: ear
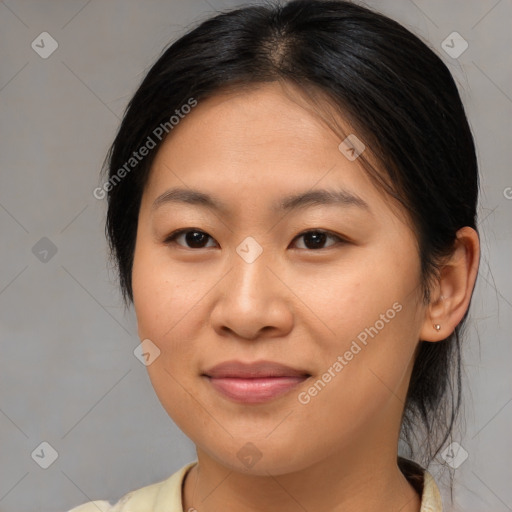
[{"x": 451, "y": 295}]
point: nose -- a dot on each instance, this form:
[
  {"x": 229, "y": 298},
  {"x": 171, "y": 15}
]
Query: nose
[{"x": 253, "y": 301}]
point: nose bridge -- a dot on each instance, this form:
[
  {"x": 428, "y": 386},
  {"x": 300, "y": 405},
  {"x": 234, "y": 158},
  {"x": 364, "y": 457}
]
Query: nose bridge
[
  {"x": 252, "y": 299},
  {"x": 251, "y": 275}
]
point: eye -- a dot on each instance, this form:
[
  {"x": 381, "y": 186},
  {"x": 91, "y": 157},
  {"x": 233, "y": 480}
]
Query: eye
[
  {"x": 195, "y": 238},
  {"x": 315, "y": 239}
]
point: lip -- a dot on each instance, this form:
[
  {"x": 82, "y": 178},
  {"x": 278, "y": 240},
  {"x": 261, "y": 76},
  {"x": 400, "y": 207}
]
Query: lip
[
  {"x": 253, "y": 383},
  {"x": 258, "y": 369}
]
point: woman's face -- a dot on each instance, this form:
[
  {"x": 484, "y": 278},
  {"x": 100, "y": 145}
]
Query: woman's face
[{"x": 326, "y": 288}]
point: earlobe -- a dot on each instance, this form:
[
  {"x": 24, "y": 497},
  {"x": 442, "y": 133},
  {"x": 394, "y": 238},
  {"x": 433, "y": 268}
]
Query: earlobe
[{"x": 453, "y": 291}]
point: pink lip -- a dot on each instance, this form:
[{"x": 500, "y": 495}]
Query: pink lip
[{"x": 254, "y": 383}]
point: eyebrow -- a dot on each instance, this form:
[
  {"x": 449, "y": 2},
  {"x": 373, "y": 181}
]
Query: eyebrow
[{"x": 317, "y": 197}]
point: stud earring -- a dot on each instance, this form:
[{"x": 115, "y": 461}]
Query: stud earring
[{"x": 437, "y": 327}]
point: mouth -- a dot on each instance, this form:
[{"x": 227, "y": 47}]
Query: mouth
[{"x": 254, "y": 383}]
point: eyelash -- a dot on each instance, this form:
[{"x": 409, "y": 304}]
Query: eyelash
[{"x": 171, "y": 239}]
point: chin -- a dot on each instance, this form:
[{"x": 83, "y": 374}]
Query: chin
[{"x": 262, "y": 457}]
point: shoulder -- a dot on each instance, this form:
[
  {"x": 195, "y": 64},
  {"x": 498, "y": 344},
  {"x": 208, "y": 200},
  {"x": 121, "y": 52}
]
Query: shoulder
[
  {"x": 424, "y": 484},
  {"x": 431, "y": 497},
  {"x": 164, "y": 495},
  {"x": 93, "y": 506}
]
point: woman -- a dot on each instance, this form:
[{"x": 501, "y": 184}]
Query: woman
[{"x": 292, "y": 200}]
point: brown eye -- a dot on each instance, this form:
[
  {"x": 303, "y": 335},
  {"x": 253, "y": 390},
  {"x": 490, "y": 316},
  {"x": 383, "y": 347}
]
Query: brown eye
[
  {"x": 196, "y": 239},
  {"x": 193, "y": 238},
  {"x": 315, "y": 239}
]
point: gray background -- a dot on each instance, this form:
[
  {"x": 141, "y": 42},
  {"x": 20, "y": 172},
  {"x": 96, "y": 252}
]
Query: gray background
[{"x": 68, "y": 373}]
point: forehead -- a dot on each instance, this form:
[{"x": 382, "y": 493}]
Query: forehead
[
  {"x": 237, "y": 129},
  {"x": 254, "y": 120},
  {"x": 252, "y": 145}
]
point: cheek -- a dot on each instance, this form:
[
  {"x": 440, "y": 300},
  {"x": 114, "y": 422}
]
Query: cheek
[
  {"x": 163, "y": 294},
  {"x": 167, "y": 307},
  {"x": 373, "y": 311},
  {"x": 352, "y": 296},
  {"x": 170, "y": 303},
  {"x": 369, "y": 381}
]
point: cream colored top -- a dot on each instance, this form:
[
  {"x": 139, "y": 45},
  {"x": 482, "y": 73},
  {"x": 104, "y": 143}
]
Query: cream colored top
[{"x": 165, "y": 496}]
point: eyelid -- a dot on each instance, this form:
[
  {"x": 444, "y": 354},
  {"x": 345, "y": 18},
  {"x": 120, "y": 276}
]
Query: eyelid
[
  {"x": 169, "y": 239},
  {"x": 339, "y": 239}
]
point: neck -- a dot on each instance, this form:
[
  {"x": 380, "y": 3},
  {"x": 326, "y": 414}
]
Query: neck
[{"x": 345, "y": 483}]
